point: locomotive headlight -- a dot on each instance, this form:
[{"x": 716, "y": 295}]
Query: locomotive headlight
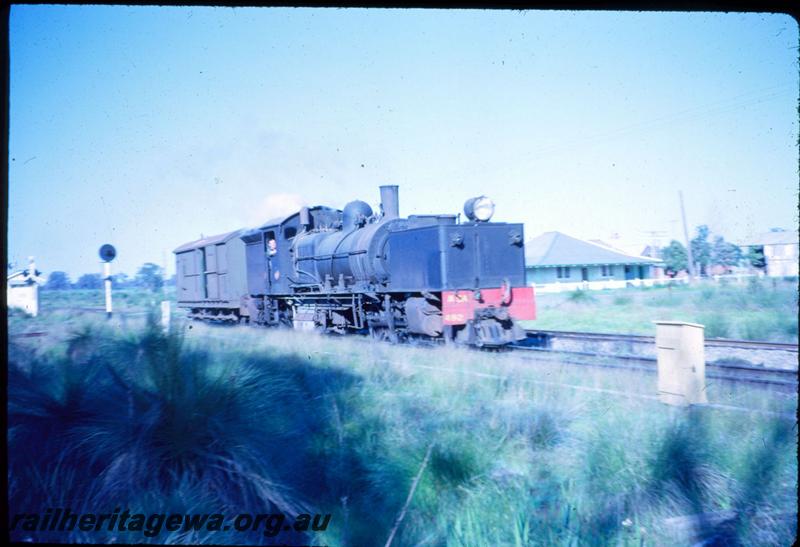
[{"x": 479, "y": 209}]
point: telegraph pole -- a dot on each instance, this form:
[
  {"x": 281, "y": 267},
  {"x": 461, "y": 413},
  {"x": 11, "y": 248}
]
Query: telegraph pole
[{"x": 686, "y": 237}]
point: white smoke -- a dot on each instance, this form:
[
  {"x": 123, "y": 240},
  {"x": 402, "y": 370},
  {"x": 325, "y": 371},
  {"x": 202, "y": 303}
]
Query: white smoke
[{"x": 274, "y": 205}]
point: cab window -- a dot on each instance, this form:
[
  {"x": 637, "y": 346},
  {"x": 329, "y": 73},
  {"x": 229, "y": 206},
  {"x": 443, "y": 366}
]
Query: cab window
[{"x": 270, "y": 243}]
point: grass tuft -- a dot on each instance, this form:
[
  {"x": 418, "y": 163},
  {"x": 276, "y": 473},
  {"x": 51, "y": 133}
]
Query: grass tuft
[{"x": 579, "y": 296}]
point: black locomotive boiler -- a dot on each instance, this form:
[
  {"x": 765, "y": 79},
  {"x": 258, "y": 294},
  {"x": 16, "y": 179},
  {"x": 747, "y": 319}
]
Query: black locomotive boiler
[{"x": 356, "y": 270}]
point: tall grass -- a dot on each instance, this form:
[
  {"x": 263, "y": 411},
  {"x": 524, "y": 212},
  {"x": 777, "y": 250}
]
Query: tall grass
[
  {"x": 717, "y": 325},
  {"x": 755, "y": 309},
  {"x": 121, "y": 420},
  {"x": 242, "y": 420},
  {"x": 581, "y": 296}
]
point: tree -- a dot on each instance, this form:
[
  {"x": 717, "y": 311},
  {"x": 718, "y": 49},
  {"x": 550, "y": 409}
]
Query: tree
[
  {"x": 57, "y": 281},
  {"x": 151, "y": 276},
  {"x": 701, "y": 248},
  {"x": 675, "y": 258},
  {"x": 120, "y": 280},
  {"x": 724, "y": 253},
  {"x": 89, "y": 281},
  {"x": 755, "y": 257}
]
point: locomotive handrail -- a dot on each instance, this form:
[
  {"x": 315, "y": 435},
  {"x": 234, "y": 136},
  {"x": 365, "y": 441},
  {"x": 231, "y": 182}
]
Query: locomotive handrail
[
  {"x": 506, "y": 292},
  {"x": 339, "y": 243},
  {"x": 292, "y": 248}
]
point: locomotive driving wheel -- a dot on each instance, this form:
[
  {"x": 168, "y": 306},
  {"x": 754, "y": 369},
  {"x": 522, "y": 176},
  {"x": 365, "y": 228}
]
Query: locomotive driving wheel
[{"x": 383, "y": 334}]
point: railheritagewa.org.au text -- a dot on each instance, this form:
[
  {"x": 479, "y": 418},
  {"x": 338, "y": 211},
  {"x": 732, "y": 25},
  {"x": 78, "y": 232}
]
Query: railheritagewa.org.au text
[{"x": 152, "y": 524}]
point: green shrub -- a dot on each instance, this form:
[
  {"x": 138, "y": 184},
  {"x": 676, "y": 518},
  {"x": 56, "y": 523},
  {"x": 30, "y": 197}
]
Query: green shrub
[
  {"x": 581, "y": 296},
  {"x": 454, "y": 465},
  {"x": 759, "y": 327},
  {"x": 668, "y": 299},
  {"x": 140, "y": 417},
  {"x": 789, "y": 327},
  {"x": 706, "y": 293},
  {"x": 717, "y": 325},
  {"x": 755, "y": 286},
  {"x": 540, "y": 427},
  {"x": 622, "y": 299}
]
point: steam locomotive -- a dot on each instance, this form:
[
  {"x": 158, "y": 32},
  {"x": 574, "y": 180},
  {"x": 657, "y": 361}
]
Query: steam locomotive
[{"x": 355, "y": 270}]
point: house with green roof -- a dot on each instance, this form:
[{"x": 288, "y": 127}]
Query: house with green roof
[{"x": 555, "y": 257}]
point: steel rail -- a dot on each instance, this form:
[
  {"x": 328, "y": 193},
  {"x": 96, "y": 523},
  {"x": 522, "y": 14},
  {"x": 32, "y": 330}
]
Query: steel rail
[
  {"x": 644, "y": 339},
  {"x": 786, "y": 378}
]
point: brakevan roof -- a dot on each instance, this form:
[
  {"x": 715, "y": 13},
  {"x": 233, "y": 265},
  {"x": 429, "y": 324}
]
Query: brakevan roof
[
  {"x": 556, "y": 249},
  {"x": 210, "y": 240}
]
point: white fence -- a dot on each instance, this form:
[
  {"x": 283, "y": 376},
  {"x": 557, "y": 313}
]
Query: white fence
[{"x": 636, "y": 283}]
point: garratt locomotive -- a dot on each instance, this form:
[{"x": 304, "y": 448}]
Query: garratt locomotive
[{"x": 355, "y": 270}]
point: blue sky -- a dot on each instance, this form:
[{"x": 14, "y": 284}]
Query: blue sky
[{"x": 145, "y": 126}]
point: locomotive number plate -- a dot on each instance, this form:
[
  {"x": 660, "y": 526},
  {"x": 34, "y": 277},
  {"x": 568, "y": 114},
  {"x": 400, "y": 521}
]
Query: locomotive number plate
[{"x": 459, "y": 306}]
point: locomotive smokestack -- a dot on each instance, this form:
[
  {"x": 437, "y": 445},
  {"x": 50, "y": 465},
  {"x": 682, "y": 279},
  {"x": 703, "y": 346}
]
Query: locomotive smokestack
[{"x": 390, "y": 201}]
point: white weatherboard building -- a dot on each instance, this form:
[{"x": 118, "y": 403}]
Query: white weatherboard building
[
  {"x": 22, "y": 290},
  {"x": 556, "y": 261},
  {"x": 780, "y": 250}
]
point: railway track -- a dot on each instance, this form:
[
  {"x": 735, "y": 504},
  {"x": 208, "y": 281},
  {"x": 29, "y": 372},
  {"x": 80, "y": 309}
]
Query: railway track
[
  {"x": 735, "y": 370},
  {"x": 641, "y": 339},
  {"x": 783, "y": 378}
]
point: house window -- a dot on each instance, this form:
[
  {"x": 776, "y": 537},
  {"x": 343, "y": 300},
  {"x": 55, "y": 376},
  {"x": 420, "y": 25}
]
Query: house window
[
  {"x": 562, "y": 272},
  {"x": 607, "y": 271}
]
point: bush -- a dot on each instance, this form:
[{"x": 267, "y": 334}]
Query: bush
[
  {"x": 706, "y": 293},
  {"x": 717, "y": 325},
  {"x": 132, "y": 419},
  {"x": 622, "y": 299},
  {"x": 755, "y": 286},
  {"x": 669, "y": 299},
  {"x": 760, "y": 327},
  {"x": 789, "y": 327},
  {"x": 581, "y": 296}
]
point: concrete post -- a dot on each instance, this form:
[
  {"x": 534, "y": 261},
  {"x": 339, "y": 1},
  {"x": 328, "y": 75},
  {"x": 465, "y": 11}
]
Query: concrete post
[{"x": 680, "y": 349}]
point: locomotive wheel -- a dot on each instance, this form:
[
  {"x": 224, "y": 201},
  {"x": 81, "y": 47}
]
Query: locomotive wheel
[
  {"x": 379, "y": 334},
  {"x": 383, "y": 334}
]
